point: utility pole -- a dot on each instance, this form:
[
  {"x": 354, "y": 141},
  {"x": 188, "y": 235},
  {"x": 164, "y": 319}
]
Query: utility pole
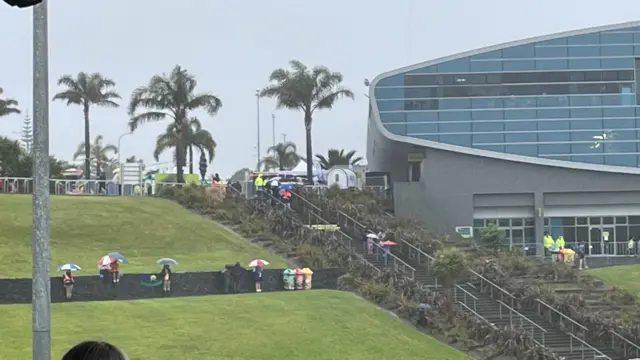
[
  {"x": 284, "y": 137},
  {"x": 273, "y": 128},
  {"x": 258, "y": 127},
  {"x": 41, "y": 283}
]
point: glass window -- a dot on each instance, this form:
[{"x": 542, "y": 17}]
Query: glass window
[
  {"x": 626, "y": 75},
  {"x": 431, "y": 104},
  {"x": 519, "y": 52},
  {"x": 585, "y": 124},
  {"x": 487, "y": 103},
  {"x": 396, "y": 80},
  {"x": 551, "y": 51},
  {"x": 496, "y": 148},
  {"x": 623, "y": 112},
  {"x": 616, "y": 146},
  {"x": 621, "y": 219},
  {"x": 521, "y": 137},
  {"x": 584, "y": 63},
  {"x": 554, "y": 136},
  {"x": 554, "y": 125},
  {"x": 389, "y": 92},
  {"x": 478, "y": 223},
  {"x": 553, "y": 114},
  {"x": 496, "y": 54},
  {"x": 454, "y": 104},
  {"x": 579, "y": 100},
  {"x": 616, "y": 38},
  {"x": 617, "y": 50},
  {"x": 393, "y": 117},
  {"x": 594, "y": 220},
  {"x": 486, "y": 66},
  {"x": 518, "y": 65},
  {"x": 584, "y": 51},
  {"x": 569, "y": 233},
  {"x": 607, "y": 220},
  {"x": 398, "y": 129},
  {"x": 553, "y": 101},
  {"x": 422, "y": 116},
  {"x": 428, "y": 137},
  {"x": 504, "y": 223},
  {"x": 582, "y": 221},
  {"x": 461, "y": 140},
  {"x": 622, "y": 233},
  {"x": 584, "y": 39},
  {"x": 487, "y": 126},
  {"x": 636, "y": 48},
  {"x": 552, "y": 64},
  {"x": 414, "y": 128},
  {"x": 586, "y": 148},
  {"x": 415, "y": 80},
  {"x": 391, "y": 105},
  {"x": 459, "y": 65},
  {"x": 417, "y": 92},
  {"x": 589, "y": 136},
  {"x": 520, "y": 102},
  {"x": 487, "y": 115},
  {"x": 556, "y": 41},
  {"x": 516, "y": 222},
  {"x": 547, "y": 149},
  {"x": 611, "y": 100},
  {"x": 520, "y": 125},
  {"x": 455, "y": 127},
  {"x": 520, "y": 114},
  {"x": 617, "y": 63},
  {"x": 586, "y": 113},
  {"x": 455, "y": 115},
  {"x": 428, "y": 69},
  {"x": 568, "y": 221},
  {"x": 634, "y": 220},
  {"x": 582, "y": 233},
  {"x": 526, "y": 150},
  {"x": 620, "y": 160},
  {"x": 487, "y": 139}
]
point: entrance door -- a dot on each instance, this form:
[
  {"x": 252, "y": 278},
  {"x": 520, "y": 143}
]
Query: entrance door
[
  {"x": 595, "y": 241},
  {"x": 608, "y": 240}
]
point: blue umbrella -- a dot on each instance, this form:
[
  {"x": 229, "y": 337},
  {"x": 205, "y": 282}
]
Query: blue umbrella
[
  {"x": 285, "y": 186},
  {"x": 69, "y": 267},
  {"x": 123, "y": 259},
  {"x": 166, "y": 261}
]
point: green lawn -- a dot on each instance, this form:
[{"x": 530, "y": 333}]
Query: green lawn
[
  {"x": 313, "y": 325},
  {"x": 623, "y": 277},
  {"x": 144, "y": 229}
]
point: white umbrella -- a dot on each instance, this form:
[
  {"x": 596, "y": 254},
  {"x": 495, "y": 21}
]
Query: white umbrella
[
  {"x": 372, "y": 236},
  {"x": 258, "y": 262}
]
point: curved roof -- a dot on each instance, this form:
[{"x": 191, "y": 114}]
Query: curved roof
[{"x": 485, "y": 153}]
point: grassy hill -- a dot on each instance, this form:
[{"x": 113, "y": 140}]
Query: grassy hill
[
  {"x": 310, "y": 325},
  {"x": 623, "y": 277},
  {"x": 144, "y": 229}
]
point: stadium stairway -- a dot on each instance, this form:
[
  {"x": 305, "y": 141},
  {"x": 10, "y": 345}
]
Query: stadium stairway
[{"x": 478, "y": 296}]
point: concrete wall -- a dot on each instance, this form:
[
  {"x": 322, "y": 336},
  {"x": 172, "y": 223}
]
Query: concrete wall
[{"x": 131, "y": 286}]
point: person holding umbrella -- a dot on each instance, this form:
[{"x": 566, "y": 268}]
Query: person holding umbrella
[
  {"x": 369, "y": 242},
  {"x": 257, "y": 272},
  {"x": 165, "y": 273},
  {"x": 386, "y": 249},
  {"x": 68, "y": 280}
]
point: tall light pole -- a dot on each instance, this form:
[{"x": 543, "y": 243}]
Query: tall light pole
[
  {"x": 284, "y": 137},
  {"x": 258, "y": 126},
  {"x": 273, "y": 128},
  {"x": 120, "y": 161},
  {"x": 41, "y": 283}
]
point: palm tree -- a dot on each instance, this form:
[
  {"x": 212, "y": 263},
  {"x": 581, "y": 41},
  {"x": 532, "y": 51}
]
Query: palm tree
[
  {"x": 8, "y": 106},
  {"x": 171, "y": 96},
  {"x": 338, "y": 157},
  {"x": 87, "y": 90},
  {"x": 306, "y": 90},
  {"x": 282, "y": 156},
  {"x": 447, "y": 266},
  {"x": 192, "y": 135},
  {"x": 98, "y": 153}
]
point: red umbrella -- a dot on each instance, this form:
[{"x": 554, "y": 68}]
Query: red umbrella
[{"x": 388, "y": 243}]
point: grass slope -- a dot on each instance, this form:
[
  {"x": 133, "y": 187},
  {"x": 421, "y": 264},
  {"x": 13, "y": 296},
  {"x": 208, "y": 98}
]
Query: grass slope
[
  {"x": 623, "y": 277},
  {"x": 143, "y": 229},
  {"x": 313, "y": 325}
]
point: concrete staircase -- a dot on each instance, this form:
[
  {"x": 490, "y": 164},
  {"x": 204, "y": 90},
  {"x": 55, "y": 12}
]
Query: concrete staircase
[{"x": 497, "y": 309}]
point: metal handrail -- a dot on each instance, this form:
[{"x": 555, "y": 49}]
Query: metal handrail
[
  {"x": 600, "y": 356},
  {"x": 624, "y": 340},
  {"x": 540, "y": 302},
  {"x": 475, "y": 313},
  {"x": 524, "y": 317},
  {"x": 466, "y": 293}
]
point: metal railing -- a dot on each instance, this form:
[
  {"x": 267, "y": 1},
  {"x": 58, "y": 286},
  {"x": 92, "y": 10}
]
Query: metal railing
[
  {"x": 475, "y": 313},
  {"x": 591, "y": 353},
  {"x": 12, "y": 185},
  {"x": 466, "y": 296},
  {"x": 629, "y": 348},
  {"x": 525, "y": 322}
]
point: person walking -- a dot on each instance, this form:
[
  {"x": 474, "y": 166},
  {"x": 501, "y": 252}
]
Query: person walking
[
  {"x": 257, "y": 277},
  {"x": 165, "y": 273},
  {"x": 68, "y": 280},
  {"x": 631, "y": 246}
]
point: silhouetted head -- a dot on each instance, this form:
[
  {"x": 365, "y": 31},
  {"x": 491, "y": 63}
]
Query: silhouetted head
[{"x": 94, "y": 350}]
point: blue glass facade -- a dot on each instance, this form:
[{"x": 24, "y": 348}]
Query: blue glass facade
[{"x": 569, "y": 98}]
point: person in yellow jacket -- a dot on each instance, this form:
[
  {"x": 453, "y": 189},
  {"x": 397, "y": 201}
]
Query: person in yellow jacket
[
  {"x": 259, "y": 183},
  {"x": 548, "y": 242},
  {"x": 560, "y": 244},
  {"x": 631, "y": 246}
]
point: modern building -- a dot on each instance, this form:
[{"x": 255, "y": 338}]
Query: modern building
[{"x": 537, "y": 134}]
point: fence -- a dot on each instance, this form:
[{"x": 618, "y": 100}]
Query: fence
[{"x": 10, "y": 185}]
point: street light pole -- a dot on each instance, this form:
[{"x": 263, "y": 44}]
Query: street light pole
[
  {"x": 40, "y": 281},
  {"x": 120, "y": 161},
  {"x": 273, "y": 128},
  {"x": 258, "y": 126},
  {"x": 284, "y": 137}
]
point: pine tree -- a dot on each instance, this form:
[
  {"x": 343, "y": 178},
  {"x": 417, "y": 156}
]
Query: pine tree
[{"x": 27, "y": 132}]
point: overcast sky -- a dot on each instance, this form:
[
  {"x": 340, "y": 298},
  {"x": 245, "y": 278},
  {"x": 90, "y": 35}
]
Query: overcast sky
[{"x": 232, "y": 47}]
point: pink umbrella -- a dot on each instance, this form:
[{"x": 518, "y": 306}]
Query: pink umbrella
[
  {"x": 106, "y": 260},
  {"x": 388, "y": 243},
  {"x": 258, "y": 262}
]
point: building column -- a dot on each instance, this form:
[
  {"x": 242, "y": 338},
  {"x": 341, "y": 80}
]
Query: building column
[{"x": 538, "y": 217}]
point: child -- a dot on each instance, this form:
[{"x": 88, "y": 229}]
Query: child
[
  {"x": 68, "y": 280},
  {"x": 257, "y": 277}
]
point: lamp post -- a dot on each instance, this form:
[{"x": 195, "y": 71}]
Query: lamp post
[
  {"x": 40, "y": 283},
  {"x": 258, "y": 126},
  {"x": 273, "y": 128},
  {"x": 120, "y": 162}
]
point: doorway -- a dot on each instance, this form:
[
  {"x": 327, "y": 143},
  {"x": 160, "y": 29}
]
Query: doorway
[{"x": 601, "y": 240}]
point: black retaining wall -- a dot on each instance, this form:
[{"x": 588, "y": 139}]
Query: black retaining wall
[{"x": 138, "y": 286}]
